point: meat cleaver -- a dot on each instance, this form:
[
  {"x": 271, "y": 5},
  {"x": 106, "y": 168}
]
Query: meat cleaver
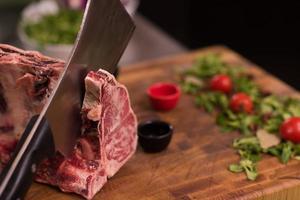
[{"x": 104, "y": 34}]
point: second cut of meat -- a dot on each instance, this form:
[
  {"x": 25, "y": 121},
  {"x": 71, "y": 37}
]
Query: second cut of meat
[{"x": 108, "y": 140}]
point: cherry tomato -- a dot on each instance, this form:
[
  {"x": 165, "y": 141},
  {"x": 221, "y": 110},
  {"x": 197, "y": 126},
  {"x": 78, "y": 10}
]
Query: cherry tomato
[
  {"x": 241, "y": 102},
  {"x": 290, "y": 129},
  {"x": 221, "y": 83}
]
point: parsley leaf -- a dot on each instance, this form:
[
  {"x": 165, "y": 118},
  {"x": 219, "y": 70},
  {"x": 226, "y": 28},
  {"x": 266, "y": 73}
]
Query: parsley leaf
[
  {"x": 246, "y": 166},
  {"x": 246, "y": 85},
  {"x": 211, "y": 100},
  {"x": 284, "y": 151},
  {"x": 244, "y": 123}
]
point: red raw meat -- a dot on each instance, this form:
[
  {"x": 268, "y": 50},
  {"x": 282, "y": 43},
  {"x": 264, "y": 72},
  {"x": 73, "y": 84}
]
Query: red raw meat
[
  {"x": 26, "y": 80},
  {"x": 108, "y": 138}
]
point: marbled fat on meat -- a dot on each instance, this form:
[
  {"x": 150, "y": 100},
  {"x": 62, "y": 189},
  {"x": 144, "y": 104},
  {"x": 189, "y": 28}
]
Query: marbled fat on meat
[
  {"x": 117, "y": 120},
  {"x": 108, "y": 138}
]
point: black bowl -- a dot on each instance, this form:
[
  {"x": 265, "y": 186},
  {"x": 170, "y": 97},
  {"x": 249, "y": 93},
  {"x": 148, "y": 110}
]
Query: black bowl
[{"x": 154, "y": 136}]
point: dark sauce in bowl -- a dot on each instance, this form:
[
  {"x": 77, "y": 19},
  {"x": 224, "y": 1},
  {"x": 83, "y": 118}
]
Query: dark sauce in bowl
[{"x": 154, "y": 136}]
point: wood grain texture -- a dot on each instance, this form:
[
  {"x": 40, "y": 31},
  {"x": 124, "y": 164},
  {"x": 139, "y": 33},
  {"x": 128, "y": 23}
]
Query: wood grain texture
[{"x": 195, "y": 164}]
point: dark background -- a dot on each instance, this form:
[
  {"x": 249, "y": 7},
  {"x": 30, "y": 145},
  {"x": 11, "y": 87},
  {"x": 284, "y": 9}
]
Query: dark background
[{"x": 265, "y": 32}]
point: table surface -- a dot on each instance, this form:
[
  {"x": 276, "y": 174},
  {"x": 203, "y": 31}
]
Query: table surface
[{"x": 194, "y": 166}]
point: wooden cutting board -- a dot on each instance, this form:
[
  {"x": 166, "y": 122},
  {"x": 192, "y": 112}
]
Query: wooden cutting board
[{"x": 195, "y": 164}]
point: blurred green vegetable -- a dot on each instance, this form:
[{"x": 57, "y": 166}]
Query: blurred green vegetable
[
  {"x": 61, "y": 28},
  {"x": 285, "y": 151},
  {"x": 210, "y": 65},
  {"x": 246, "y": 85},
  {"x": 210, "y": 100}
]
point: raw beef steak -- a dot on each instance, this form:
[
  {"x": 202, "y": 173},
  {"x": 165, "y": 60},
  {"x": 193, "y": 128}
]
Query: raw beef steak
[
  {"x": 26, "y": 80},
  {"x": 108, "y": 138}
]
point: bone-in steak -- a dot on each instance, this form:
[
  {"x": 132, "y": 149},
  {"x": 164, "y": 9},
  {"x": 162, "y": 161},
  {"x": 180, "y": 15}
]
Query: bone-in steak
[{"x": 108, "y": 138}]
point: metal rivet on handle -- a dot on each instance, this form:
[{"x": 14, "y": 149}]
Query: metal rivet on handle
[{"x": 33, "y": 168}]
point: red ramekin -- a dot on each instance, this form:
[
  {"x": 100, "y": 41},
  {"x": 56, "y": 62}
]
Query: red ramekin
[{"x": 163, "y": 96}]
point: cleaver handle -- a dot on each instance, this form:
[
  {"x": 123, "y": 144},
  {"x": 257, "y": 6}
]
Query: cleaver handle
[{"x": 40, "y": 147}]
